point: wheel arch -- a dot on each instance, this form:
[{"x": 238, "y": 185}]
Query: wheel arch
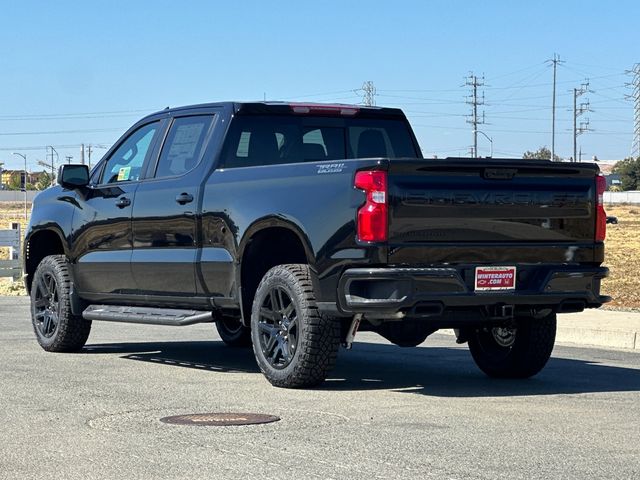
[
  {"x": 266, "y": 243},
  {"x": 38, "y": 245}
]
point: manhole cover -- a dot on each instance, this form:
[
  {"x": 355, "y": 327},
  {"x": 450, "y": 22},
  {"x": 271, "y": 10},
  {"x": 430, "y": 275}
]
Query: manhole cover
[{"x": 220, "y": 419}]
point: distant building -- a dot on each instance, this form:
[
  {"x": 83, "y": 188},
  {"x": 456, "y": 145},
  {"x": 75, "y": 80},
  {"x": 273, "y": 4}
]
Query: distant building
[
  {"x": 8, "y": 176},
  {"x": 15, "y": 176}
]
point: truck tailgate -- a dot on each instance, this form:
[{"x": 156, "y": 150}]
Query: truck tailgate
[{"x": 490, "y": 201}]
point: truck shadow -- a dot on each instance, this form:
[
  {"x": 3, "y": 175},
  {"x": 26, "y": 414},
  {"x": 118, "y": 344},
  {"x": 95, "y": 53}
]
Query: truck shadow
[
  {"x": 433, "y": 371},
  {"x": 451, "y": 372},
  {"x": 200, "y": 355}
]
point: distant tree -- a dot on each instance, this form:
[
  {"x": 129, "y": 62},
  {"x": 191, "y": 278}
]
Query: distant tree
[
  {"x": 44, "y": 181},
  {"x": 543, "y": 153},
  {"x": 629, "y": 171},
  {"x": 15, "y": 181}
]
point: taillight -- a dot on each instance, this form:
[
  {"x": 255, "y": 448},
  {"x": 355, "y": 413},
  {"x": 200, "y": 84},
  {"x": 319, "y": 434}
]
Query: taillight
[
  {"x": 324, "y": 109},
  {"x": 372, "y": 216},
  {"x": 601, "y": 216}
]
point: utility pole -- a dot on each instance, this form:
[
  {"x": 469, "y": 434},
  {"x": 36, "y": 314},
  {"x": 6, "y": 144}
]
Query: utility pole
[
  {"x": 368, "y": 94},
  {"x": 577, "y": 111},
  {"x": 53, "y": 163},
  {"x": 24, "y": 157},
  {"x": 69, "y": 157},
  {"x": 82, "y": 153},
  {"x": 89, "y": 150},
  {"x": 635, "y": 97},
  {"x": 475, "y": 101},
  {"x": 555, "y": 61}
]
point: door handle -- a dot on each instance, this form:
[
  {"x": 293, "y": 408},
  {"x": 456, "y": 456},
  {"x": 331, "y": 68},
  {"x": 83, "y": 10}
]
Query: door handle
[
  {"x": 123, "y": 202},
  {"x": 184, "y": 198}
]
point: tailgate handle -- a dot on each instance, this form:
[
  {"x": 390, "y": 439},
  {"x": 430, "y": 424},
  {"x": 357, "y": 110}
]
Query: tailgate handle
[{"x": 500, "y": 173}]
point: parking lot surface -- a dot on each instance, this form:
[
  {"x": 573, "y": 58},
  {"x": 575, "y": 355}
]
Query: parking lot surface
[{"x": 385, "y": 412}]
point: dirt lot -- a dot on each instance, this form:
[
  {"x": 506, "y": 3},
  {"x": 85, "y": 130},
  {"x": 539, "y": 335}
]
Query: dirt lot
[
  {"x": 622, "y": 256},
  {"x": 11, "y": 212},
  {"x": 622, "y": 253}
]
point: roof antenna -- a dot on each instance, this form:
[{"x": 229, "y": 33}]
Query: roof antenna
[{"x": 166, "y": 108}]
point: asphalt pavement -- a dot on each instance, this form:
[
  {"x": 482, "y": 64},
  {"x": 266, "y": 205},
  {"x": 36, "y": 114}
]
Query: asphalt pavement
[{"x": 385, "y": 412}]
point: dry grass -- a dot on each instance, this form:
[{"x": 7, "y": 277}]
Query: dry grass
[
  {"x": 622, "y": 254},
  {"x": 11, "y": 212}
]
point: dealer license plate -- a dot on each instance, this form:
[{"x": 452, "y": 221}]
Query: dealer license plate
[{"x": 495, "y": 278}]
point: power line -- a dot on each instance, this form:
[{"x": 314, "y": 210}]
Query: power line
[
  {"x": 57, "y": 132},
  {"x": 44, "y": 147},
  {"x": 45, "y": 116},
  {"x": 323, "y": 94},
  {"x": 537, "y": 65},
  {"x": 475, "y": 101}
]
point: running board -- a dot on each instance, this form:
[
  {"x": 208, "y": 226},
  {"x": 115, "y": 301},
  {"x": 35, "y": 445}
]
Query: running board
[{"x": 146, "y": 315}]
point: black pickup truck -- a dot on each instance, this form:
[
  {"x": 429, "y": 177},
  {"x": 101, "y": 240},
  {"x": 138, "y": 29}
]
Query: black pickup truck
[{"x": 291, "y": 226}]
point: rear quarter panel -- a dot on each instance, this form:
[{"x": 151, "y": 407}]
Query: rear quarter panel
[{"x": 315, "y": 200}]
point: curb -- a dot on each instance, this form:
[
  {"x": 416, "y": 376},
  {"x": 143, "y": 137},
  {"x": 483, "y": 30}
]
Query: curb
[
  {"x": 627, "y": 340},
  {"x": 592, "y": 338}
]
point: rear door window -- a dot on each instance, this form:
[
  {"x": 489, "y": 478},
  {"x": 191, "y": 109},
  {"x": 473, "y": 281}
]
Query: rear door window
[{"x": 184, "y": 145}]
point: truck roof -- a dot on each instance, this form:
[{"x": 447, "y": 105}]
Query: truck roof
[{"x": 287, "y": 108}]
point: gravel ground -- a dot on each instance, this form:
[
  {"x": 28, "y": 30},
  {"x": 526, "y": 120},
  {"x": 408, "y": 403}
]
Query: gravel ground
[{"x": 385, "y": 412}]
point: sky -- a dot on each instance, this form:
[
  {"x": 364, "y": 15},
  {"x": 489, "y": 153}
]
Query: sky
[{"x": 82, "y": 72}]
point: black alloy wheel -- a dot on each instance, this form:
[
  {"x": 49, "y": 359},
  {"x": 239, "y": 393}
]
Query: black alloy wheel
[
  {"x": 233, "y": 332},
  {"x": 294, "y": 344},
  {"x": 56, "y": 327},
  {"x": 278, "y": 327},
  {"x": 46, "y": 305}
]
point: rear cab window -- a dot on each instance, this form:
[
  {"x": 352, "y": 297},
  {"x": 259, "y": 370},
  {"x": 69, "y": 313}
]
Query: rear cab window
[{"x": 255, "y": 140}]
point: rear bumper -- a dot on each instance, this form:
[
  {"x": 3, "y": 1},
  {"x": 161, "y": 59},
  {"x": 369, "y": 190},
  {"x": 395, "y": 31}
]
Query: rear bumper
[{"x": 431, "y": 291}]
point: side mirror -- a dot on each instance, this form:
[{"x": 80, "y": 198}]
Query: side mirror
[{"x": 73, "y": 176}]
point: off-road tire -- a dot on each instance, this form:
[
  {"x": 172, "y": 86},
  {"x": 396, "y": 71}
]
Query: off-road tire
[
  {"x": 71, "y": 331},
  {"x": 317, "y": 337},
  {"x": 233, "y": 333},
  {"x": 529, "y": 353}
]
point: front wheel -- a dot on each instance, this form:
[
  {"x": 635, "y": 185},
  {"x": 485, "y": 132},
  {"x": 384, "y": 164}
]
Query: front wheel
[
  {"x": 293, "y": 344},
  {"x": 233, "y": 332},
  {"x": 519, "y": 350},
  {"x": 56, "y": 328}
]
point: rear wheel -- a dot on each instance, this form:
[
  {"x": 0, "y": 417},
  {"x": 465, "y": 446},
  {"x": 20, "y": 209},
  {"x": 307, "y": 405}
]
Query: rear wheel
[
  {"x": 519, "y": 350},
  {"x": 233, "y": 332},
  {"x": 56, "y": 328},
  {"x": 294, "y": 345}
]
